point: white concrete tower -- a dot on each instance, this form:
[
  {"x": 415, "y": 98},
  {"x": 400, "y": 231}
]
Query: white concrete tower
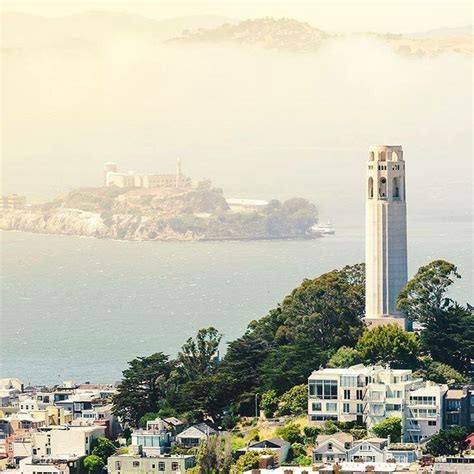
[{"x": 385, "y": 234}]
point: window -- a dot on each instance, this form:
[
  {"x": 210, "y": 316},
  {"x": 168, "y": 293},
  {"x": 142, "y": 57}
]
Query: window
[
  {"x": 364, "y": 447},
  {"x": 324, "y": 389},
  {"x": 331, "y": 407},
  {"x": 323, "y": 417},
  {"x": 161, "y": 466},
  {"x": 118, "y": 466},
  {"x": 360, "y": 408},
  {"x": 431, "y": 423},
  {"x": 370, "y": 188},
  {"x": 346, "y": 407},
  {"x": 359, "y": 395},
  {"x": 174, "y": 466},
  {"x": 454, "y": 404},
  {"x": 136, "y": 464},
  {"x": 347, "y": 394},
  {"x": 316, "y": 406},
  {"x": 330, "y": 446},
  {"x": 348, "y": 381}
]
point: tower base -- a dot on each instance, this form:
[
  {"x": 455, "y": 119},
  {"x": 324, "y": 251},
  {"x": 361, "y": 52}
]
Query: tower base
[{"x": 383, "y": 320}]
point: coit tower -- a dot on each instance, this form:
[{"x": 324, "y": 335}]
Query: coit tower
[{"x": 385, "y": 234}]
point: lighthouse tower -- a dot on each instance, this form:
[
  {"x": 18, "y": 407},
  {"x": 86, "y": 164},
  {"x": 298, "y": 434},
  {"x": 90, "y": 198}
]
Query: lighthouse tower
[{"x": 386, "y": 235}]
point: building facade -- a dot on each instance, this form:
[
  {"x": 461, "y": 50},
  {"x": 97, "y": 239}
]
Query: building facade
[
  {"x": 170, "y": 464},
  {"x": 369, "y": 394},
  {"x": 177, "y": 180},
  {"x": 386, "y": 234}
]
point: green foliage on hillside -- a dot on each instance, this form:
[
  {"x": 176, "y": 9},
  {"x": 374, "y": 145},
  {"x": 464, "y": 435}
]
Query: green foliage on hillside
[
  {"x": 448, "y": 442},
  {"x": 317, "y": 323},
  {"x": 202, "y": 212},
  {"x": 448, "y": 327},
  {"x": 389, "y": 344},
  {"x": 389, "y": 427}
]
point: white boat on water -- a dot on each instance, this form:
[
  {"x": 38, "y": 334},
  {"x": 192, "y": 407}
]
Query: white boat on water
[{"x": 324, "y": 229}]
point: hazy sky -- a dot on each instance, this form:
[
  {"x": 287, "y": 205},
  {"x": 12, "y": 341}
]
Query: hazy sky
[{"x": 342, "y": 15}]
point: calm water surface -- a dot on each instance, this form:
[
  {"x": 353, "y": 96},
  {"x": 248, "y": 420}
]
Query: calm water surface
[{"x": 78, "y": 309}]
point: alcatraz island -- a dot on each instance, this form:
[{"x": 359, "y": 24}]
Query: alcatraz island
[{"x": 133, "y": 206}]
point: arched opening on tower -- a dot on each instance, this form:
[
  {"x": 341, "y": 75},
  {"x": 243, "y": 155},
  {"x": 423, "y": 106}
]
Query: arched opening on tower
[
  {"x": 383, "y": 188},
  {"x": 382, "y": 156},
  {"x": 370, "y": 188},
  {"x": 396, "y": 189},
  {"x": 371, "y": 156},
  {"x": 394, "y": 156}
]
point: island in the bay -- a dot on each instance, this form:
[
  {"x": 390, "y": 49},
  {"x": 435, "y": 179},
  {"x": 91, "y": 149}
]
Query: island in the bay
[{"x": 132, "y": 206}]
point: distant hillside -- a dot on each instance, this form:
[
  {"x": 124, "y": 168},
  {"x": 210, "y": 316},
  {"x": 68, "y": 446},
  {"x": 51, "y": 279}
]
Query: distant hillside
[
  {"x": 88, "y": 30},
  {"x": 270, "y": 33},
  {"x": 429, "y": 45},
  {"x": 139, "y": 214}
]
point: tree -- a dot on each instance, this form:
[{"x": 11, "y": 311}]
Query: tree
[
  {"x": 389, "y": 344},
  {"x": 344, "y": 357},
  {"x": 197, "y": 356},
  {"x": 93, "y": 463},
  {"x": 448, "y": 442},
  {"x": 291, "y": 432},
  {"x": 330, "y": 427},
  {"x": 294, "y": 401},
  {"x": 269, "y": 403},
  {"x": 143, "y": 387},
  {"x": 311, "y": 433},
  {"x": 448, "y": 328},
  {"x": 146, "y": 418},
  {"x": 246, "y": 462},
  {"x": 104, "y": 448},
  {"x": 214, "y": 455},
  {"x": 439, "y": 373},
  {"x": 425, "y": 294},
  {"x": 391, "y": 426}
]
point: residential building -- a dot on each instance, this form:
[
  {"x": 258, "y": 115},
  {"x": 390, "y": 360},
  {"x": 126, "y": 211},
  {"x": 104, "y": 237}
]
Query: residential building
[
  {"x": 278, "y": 446},
  {"x": 193, "y": 435},
  {"x": 368, "y": 450},
  {"x": 401, "y": 453},
  {"x": 63, "y": 465},
  {"x": 153, "y": 442},
  {"x": 457, "y": 408},
  {"x": 332, "y": 448},
  {"x": 424, "y": 412},
  {"x": 454, "y": 465},
  {"x": 135, "y": 463},
  {"x": 364, "y": 394},
  {"x": 369, "y": 394},
  {"x": 69, "y": 441}
]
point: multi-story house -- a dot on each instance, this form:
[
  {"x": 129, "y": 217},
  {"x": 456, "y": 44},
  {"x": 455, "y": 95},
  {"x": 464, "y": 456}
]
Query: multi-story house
[
  {"x": 369, "y": 394},
  {"x": 424, "y": 412},
  {"x": 366, "y": 395},
  {"x": 457, "y": 408},
  {"x": 136, "y": 463}
]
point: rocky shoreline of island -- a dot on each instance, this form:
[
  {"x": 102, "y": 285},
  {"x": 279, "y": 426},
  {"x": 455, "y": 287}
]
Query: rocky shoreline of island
[{"x": 138, "y": 215}]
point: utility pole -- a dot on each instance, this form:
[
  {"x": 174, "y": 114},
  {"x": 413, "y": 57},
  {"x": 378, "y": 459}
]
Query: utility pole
[{"x": 256, "y": 406}]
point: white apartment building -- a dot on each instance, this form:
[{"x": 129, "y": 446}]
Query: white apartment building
[
  {"x": 63, "y": 442},
  {"x": 424, "y": 413},
  {"x": 369, "y": 394}
]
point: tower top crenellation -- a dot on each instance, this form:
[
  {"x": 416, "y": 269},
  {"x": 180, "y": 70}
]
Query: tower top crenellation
[{"x": 385, "y": 153}]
